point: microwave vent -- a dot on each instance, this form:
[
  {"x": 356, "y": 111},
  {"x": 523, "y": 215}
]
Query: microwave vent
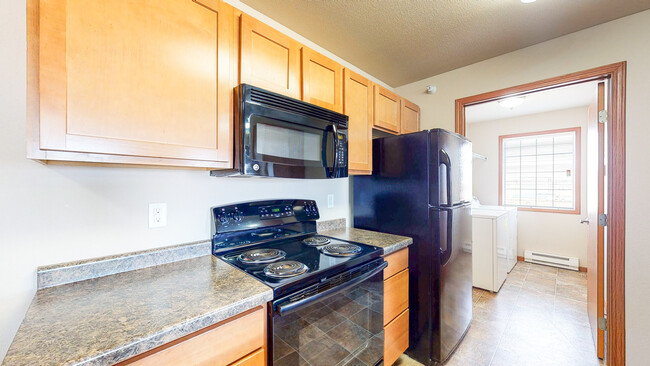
[{"x": 296, "y": 106}]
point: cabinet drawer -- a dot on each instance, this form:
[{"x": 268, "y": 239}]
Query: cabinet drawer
[
  {"x": 396, "y": 338},
  {"x": 257, "y": 358},
  {"x": 397, "y": 262},
  {"x": 396, "y": 295},
  {"x": 220, "y": 346}
]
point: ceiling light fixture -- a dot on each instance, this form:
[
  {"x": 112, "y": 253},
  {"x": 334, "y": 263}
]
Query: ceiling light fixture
[
  {"x": 512, "y": 102},
  {"x": 528, "y": 1},
  {"x": 431, "y": 89}
]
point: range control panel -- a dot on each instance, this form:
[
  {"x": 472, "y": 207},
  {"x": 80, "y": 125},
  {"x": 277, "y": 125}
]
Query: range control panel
[
  {"x": 274, "y": 212},
  {"x": 260, "y": 214}
]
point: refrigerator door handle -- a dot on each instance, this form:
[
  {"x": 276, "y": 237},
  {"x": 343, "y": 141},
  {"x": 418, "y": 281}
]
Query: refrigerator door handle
[
  {"x": 446, "y": 161},
  {"x": 445, "y": 254}
]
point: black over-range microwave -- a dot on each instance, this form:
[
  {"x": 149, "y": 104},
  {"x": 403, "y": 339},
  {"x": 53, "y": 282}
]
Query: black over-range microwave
[{"x": 278, "y": 136}]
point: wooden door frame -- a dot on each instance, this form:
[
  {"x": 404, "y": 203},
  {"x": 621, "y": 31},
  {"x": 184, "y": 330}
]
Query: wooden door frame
[{"x": 616, "y": 73}]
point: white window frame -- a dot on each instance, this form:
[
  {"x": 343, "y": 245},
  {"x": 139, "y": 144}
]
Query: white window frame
[{"x": 576, "y": 170}]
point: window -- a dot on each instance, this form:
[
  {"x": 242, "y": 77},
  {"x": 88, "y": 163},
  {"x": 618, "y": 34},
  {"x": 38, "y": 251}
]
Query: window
[{"x": 541, "y": 171}]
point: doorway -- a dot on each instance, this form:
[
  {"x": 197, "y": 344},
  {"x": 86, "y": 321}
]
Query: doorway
[{"x": 614, "y": 150}]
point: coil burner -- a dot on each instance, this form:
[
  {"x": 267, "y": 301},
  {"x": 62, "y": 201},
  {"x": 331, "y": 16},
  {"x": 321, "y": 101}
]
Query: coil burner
[
  {"x": 315, "y": 241},
  {"x": 341, "y": 250},
  {"x": 262, "y": 256},
  {"x": 285, "y": 269}
]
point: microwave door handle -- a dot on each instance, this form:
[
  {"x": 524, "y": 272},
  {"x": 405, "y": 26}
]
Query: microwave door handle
[{"x": 335, "y": 166}]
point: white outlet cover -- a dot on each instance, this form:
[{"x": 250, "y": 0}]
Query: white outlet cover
[
  {"x": 157, "y": 215},
  {"x": 330, "y": 201}
]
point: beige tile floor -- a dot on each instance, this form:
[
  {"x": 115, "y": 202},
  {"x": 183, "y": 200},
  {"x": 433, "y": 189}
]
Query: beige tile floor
[{"x": 539, "y": 317}]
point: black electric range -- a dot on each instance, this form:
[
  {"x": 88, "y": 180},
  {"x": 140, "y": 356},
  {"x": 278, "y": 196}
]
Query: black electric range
[
  {"x": 276, "y": 242},
  {"x": 324, "y": 288}
]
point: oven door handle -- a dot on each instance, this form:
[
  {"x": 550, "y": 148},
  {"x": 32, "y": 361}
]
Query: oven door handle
[{"x": 288, "y": 307}]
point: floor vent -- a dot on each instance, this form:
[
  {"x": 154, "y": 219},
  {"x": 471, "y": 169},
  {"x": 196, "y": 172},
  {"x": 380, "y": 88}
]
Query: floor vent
[{"x": 551, "y": 260}]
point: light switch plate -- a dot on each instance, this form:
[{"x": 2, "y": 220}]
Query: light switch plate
[
  {"x": 330, "y": 201},
  {"x": 157, "y": 215}
]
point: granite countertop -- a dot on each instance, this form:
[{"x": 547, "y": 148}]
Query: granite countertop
[
  {"x": 109, "y": 319},
  {"x": 391, "y": 243},
  {"x": 106, "y": 310}
]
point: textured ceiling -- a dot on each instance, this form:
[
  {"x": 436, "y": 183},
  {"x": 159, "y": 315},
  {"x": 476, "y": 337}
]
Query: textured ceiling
[{"x": 402, "y": 41}]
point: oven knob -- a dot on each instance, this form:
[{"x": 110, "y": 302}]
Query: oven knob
[
  {"x": 223, "y": 219},
  {"x": 256, "y": 167}
]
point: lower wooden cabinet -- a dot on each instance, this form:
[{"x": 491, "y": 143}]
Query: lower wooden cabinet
[
  {"x": 396, "y": 338},
  {"x": 396, "y": 295},
  {"x": 396, "y": 302},
  {"x": 256, "y": 358},
  {"x": 239, "y": 341}
]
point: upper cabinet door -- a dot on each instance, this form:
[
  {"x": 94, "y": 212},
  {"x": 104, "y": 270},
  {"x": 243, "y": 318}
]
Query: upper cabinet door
[
  {"x": 410, "y": 117},
  {"x": 269, "y": 59},
  {"x": 147, "y": 79},
  {"x": 357, "y": 105},
  {"x": 387, "y": 110},
  {"x": 321, "y": 80}
]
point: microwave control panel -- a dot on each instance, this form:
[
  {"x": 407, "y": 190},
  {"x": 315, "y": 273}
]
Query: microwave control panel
[{"x": 342, "y": 150}]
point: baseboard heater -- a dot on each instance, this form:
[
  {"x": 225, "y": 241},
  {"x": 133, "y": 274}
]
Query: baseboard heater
[{"x": 551, "y": 260}]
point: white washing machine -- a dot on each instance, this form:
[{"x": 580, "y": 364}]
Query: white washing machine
[
  {"x": 494, "y": 245},
  {"x": 511, "y": 228}
]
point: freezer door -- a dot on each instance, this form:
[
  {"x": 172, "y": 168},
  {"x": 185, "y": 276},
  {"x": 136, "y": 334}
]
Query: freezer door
[
  {"x": 452, "y": 233},
  {"x": 450, "y": 174}
]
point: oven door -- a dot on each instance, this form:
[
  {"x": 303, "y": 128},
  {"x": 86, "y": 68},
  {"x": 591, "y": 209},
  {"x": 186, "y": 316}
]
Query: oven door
[
  {"x": 338, "y": 321},
  {"x": 278, "y": 143}
]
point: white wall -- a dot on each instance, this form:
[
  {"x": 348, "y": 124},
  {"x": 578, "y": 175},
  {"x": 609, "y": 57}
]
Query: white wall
[
  {"x": 52, "y": 214},
  {"x": 554, "y": 233},
  {"x": 625, "y": 39}
]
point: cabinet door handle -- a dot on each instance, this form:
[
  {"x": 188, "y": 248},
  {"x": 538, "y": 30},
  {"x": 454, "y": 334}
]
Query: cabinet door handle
[{"x": 584, "y": 221}]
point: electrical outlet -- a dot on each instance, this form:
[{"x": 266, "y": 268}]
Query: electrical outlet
[
  {"x": 157, "y": 215},
  {"x": 330, "y": 201}
]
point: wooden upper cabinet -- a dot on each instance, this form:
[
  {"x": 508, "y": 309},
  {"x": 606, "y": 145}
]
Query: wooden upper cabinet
[
  {"x": 139, "y": 82},
  {"x": 321, "y": 80},
  {"x": 387, "y": 110},
  {"x": 269, "y": 59},
  {"x": 357, "y": 94},
  {"x": 410, "y": 117}
]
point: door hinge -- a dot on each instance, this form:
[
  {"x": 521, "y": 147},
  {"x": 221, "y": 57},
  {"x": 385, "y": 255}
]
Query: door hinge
[
  {"x": 602, "y": 323},
  {"x": 602, "y": 219},
  {"x": 602, "y": 116}
]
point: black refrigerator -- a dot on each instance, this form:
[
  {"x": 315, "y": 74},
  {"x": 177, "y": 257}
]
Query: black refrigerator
[{"x": 421, "y": 187}]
